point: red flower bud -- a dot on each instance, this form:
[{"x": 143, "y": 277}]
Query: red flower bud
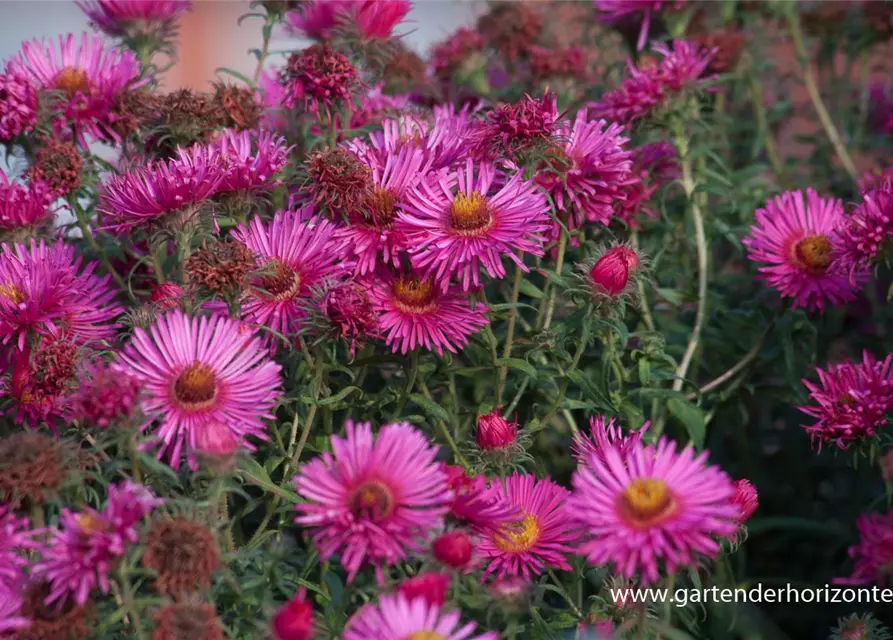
[
  {"x": 167, "y": 296},
  {"x": 495, "y": 432},
  {"x": 746, "y": 498},
  {"x": 294, "y": 621},
  {"x": 453, "y": 549},
  {"x": 430, "y": 586},
  {"x": 611, "y": 272}
]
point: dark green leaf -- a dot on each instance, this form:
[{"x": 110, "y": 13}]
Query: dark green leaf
[{"x": 690, "y": 416}]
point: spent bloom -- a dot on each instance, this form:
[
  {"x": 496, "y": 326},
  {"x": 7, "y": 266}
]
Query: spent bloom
[
  {"x": 23, "y": 207},
  {"x": 201, "y": 374},
  {"x": 32, "y": 466},
  {"x": 339, "y": 181},
  {"x": 512, "y": 28},
  {"x": 188, "y": 619},
  {"x": 294, "y": 621},
  {"x": 430, "y": 586},
  {"x": 182, "y": 553},
  {"x": 873, "y": 556},
  {"x": 541, "y": 538},
  {"x": 851, "y": 401},
  {"x": 18, "y": 105},
  {"x": 795, "y": 240},
  {"x": 613, "y": 11},
  {"x": 85, "y": 549},
  {"x": 495, "y": 432},
  {"x": 605, "y": 435},
  {"x": 348, "y": 310},
  {"x": 58, "y": 164},
  {"x": 125, "y": 18},
  {"x": 317, "y": 76},
  {"x": 374, "y": 498},
  {"x": 514, "y": 128},
  {"x": 655, "y": 506},
  {"x": 41, "y": 379}
]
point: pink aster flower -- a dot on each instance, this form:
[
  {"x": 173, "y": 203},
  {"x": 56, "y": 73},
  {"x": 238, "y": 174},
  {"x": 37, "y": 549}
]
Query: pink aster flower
[
  {"x": 795, "y": 236},
  {"x": 851, "y": 401},
  {"x": 317, "y": 76},
  {"x": 614, "y": 11},
  {"x": 250, "y": 160},
  {"x": 15, "y": 539},
  {"x": 868, "y": 229},
  {"x": 396, "y": 617},
  {"x": 372, "y": 236},
  {"x": 199, "y": 374},
  {"x": 415, "y": 313},
  {"x": 122, "y": 18},
  {"x": 295, "y": 254},
  {"x": 86, "y": 548},
  {"x": 152, "y": 193},
  {"x": 457, "y": 222},
  {"x": 590, "y": 169},
  {"x": 478, "y": 503},
  {"x": 317, "y": 18},
  {"x": 377, "y": 18},
  {"x": 18, "y": 106},
  {"x": 495, "y": 432},
  {"x": 431, "y": 586},
  {"x": 23, "y": 206},
  {"x": 603, "y": 436},
  {"x": 653, "y": 507},
  {"x": 537, "y": 538},
  {"x": 873, "y": 556},
  {"x": 104, "y": 396},
  {"x": 44, "y": 289},
  {"x": 513, "y": 128},
  {"x": 652, "y": 84},
  {"x": 89, "y": 76},
  {"x": 373, "y": 498}
]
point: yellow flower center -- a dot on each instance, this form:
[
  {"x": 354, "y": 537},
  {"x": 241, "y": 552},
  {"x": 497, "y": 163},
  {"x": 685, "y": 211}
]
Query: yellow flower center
[
  {"x": 412, "y": 140},
  {"x": 425, "y": 635},
  {"x": 470, "y": 215},
  {"x": 88, "y": 523},
  {"x": 813, "y": 254},
  {"x": 412, "y": 295},
  {"x": 196, "y": 387},
  {"x": 12, "y": 293},
  {"x": 72, "y": 81},
  {"x": 519, "y": 537},
  {"x": 282, "y": 282},
  {"x": 380, "y": 207},
  {"x": 646, "y": 502},
  {"x": 372, "y": 500}
]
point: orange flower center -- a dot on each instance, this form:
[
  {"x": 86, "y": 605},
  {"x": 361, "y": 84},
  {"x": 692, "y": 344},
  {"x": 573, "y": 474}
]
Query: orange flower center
[
  {"x": 12, "y": 293},
  {"x": 282, "y": 282},
  {"x": 646, "y": 502},
  {"x": 372, "y": 500},
  {"x": 196, "y": 387},
  {"x": 470, "y": 215},
  {"x": 412, "y": 140},
  {"x": 425, "y": 635},
  {"x": 380, "y": 207},
  {"x": 413, "y": 295},
  {"x": 88, "y": 523},
  {"x": 72, "y": 81},
  {"x": 519, "y": 537},
  {"x": 813, "y": 254}
]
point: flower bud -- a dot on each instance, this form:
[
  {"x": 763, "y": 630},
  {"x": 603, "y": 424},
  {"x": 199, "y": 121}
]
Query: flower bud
[
  {"x": 453, "y": 549},
  {"x": 495, "y": 432},
  {"x": 745, "y": 498},
  {"x": 430, "y": 586},
  {"x": 610, "y": 274},
  {"x": 294, "y": 621}
]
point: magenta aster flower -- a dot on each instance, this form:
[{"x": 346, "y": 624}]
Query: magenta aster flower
[
  {"x": 349, "y": 312},
  {"x": 881, "y": 108},
  {"x": 539, "y": 539},
  {"x": 43, "y": 289},
  {"x": 375, "y": 105},
  {"x": 22, "y": 207},
  {"x": 377, "y": 18},
  {"x": 415, "y": 313},
  {"x": 373, "y": 499},
  {"x": 614, "y": 11},
  {"x": 513, "y": 128},
  {"x": 296, "y": 254},
  {"x": 746, "y": 499},
  {"x": 18, "y": 106},
  {"x": 104, "y": 396},
  {"x": 795, "y": 236},
  {"x": 655, "y": 506},
  {"x": 653, "y": 84},
  {"x": 150, "y": 193},
  {"x": 316, "y": 19},
  {"x": 201, "y": 374},
  {"x": 250, "y": 160},
  {"x": 15, "y": 540},
  {"x": 603, "y": 436},
  {"x": 868, "y": 229},
  {"x": 457, "y": 222},
  {"x": 477, "y": 502},
  {"x": 589, "y": 171},
  {"x": 40, "y": 379},
  {"x": 851, "y": 401},
  {"x": 85, "y": 549},
  {"x": 397, "y": 617},
  {"x": 317, "y": 76},
  {"x": 89, "y": 76},
  {"x": 120, "y": 18},
  {"x": 873, "y": 556},
  {"x": 372, "y": 237}
]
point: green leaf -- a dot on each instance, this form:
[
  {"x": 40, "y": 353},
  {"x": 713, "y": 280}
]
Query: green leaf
[
  {"x": 690, "y": 416},
  {"x": 517, "y": 363},
  {"x": 341, "y": 395},
  {"x": 157, "y": 467},
  {"x": 672, "y": 296},
  {"x": 531, "y": 290},
  {"x": 257, "y": 475},
  {"x": 431, "y": 408},
  {"x": 234, "y": 74}
]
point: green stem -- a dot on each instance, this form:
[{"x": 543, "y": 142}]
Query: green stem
[
  {"x": 509, "y": 331},
  {"x": 412, "y": 376},
  {"x": 265, "y": 50},
  {"x": 559, "y": 264},
  {"x": 517, "y": 398},
  {"x": 647, "y": 318},
  {"x": 127, "y": 603},
  {"x": 565, "y": 594},
  {"x": 775, "y": 160},
  {"x": 445, "y": 431}
]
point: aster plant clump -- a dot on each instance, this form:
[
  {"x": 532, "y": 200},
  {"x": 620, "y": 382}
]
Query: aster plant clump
[{"x": 501, "y": 337}]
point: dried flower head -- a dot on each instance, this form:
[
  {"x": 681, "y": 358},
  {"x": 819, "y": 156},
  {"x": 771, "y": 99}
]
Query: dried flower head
[
  {"x": 57, "y": 621},
  {"x": 222, "y": 268},
  {"x": 188, "y": 621},
  {"x": 240, "y": 105},
  {"x": 339, "y": 181},
  {"x": 133, "y": 110},
  {"x": 182, "y": 118},
  {"x": 30, "y": 464},
  {"x": 348, "y": 310},
  {"x": 404, "y": 71},
  {"x": 317, "y": 76},
  {"x": 512, "y": 28},
  {"x": 183, "y": 554},
  {"x": 58, "y": 164},
  {"x": 516, "y": 128}
]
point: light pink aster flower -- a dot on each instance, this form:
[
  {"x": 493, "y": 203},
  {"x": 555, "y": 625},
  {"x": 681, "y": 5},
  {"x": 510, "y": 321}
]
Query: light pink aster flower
[
  {"x": 477, "y": 502},
  {"x": 296, "y": 253},
  {"x": 538, "y": 539},
  {"x": 458, "y": 222},
  {"x": 590, "y": 169},
  {"x": 868, "y": 230},
  {"x": 199, "y": 374},
  {"x": 122, "y": 18},
  {"x": 372, "y": 236},
  {"x": 652, "y": 85},
  {"x": 373, "y": 499},
  {"x": 603, "y": 436},
  {"x": 654, "y": 507},
  {"x": 86, "y": 548},
  {"x": 23, "y": 206},
  {"x": 613, "y": 11},
  {"x": 18, "y": 106},
  {"x": 152, "y": 193},
  {"x": 15, "y": 540},
  {"x": 795, "y": 238},
  {"x": 851, "y": 401},
  {"x": 89, "y": 76},
  {"x": 873, "y": 556},
  {"x": 415, "y": 313},
  {"x": 250, "y": 160},
  {"x": 44, "y": 289},
  {"x": 396, "y": 617}
]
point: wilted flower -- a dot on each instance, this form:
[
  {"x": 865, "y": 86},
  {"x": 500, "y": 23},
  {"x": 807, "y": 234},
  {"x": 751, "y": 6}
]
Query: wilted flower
[
  {"x": 450, "y": 55},
  {"x": 31, "y": 464},
  {"x": 23, "y": 207},
  {"x": 515, "y": 128},
  {"x": 350, "y": 314},
  {"x": 242, "y": 106},
  {"x": 40, "y": 380},
  {"x": 57, "y": 164},
  {"x": 103, "y": 397},
  {"x": 339, "y": 181},
  {"x": 192, "y": 620},
  {"x": 221, "y": 268},
  {"x": 317, "y": 76},
  {"x": 60, "y": 620},
  {"x": 294, "y": 621}
]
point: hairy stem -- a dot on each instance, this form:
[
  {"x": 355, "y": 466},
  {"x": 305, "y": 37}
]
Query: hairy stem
[
  {"x": 775, "y": 160},
  {"x": 509, "y": 331},
  {"x": 559, "y": 264},
  {"x": 647, "y": 318},
  {"x": 445, "y": 430}
]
